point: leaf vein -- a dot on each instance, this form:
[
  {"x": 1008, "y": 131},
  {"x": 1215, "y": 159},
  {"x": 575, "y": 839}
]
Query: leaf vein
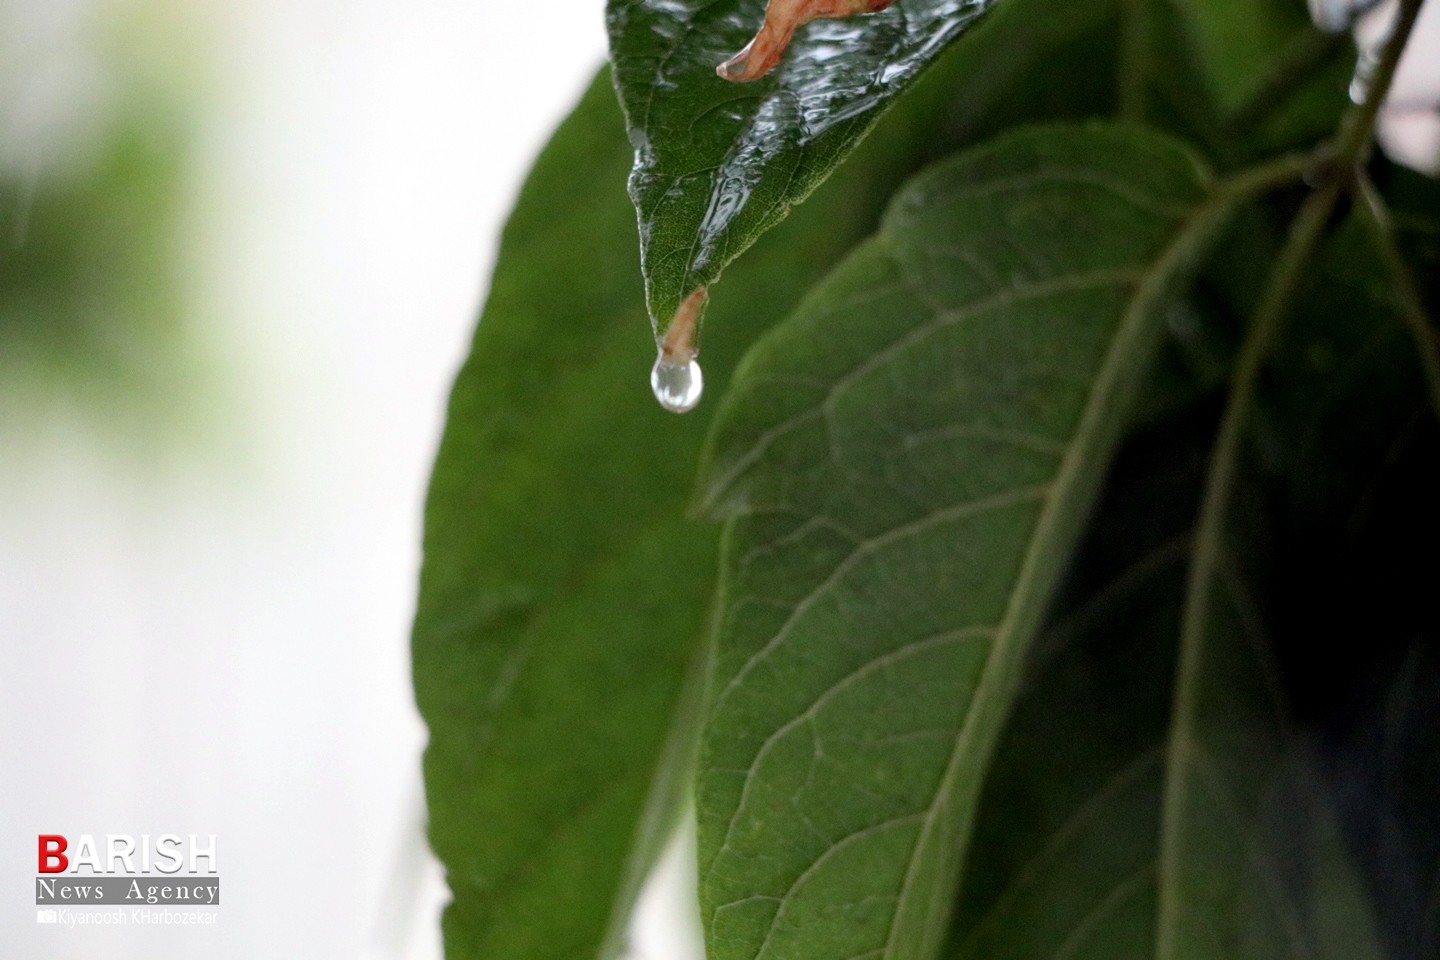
[
  {"x": 870, "y": 666},
  {"x": 1000, "y": 501}
]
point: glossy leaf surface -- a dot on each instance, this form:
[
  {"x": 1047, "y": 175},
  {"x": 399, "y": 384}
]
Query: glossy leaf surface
[{"x": 716, "y": 163}]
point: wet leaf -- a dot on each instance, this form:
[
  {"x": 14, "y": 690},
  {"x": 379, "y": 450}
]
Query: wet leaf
[
  {"x": 906, "y": 464},
  {"x": 717, "y": 164}
]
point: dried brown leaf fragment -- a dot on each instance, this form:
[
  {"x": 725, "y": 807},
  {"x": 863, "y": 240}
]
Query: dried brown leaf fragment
[
  {"x": 679, "y": 343},
  {"x": 782, "y": 19}
]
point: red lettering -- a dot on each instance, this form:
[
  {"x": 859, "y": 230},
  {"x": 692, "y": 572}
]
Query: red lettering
[{"x": 52, "y": 847}]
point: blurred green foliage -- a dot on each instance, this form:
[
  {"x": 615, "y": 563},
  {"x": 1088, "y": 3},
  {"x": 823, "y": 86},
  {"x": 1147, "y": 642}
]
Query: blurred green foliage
[{"x": 93, "y": 258}]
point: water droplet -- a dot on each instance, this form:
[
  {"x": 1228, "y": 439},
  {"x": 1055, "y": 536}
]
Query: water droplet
[
  {"x": 1332, "y": 16},
  {"x": 677, "y": 385},
  {"x": 1365, "y": 66}
]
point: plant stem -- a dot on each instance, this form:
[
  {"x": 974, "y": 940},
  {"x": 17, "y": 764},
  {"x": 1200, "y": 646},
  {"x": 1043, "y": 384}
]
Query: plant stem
[
  {"x": 1358, "y": 124},
  {"x": 1374, "y": 216},
  {"x": 1305, "y": 234},
  {"x": 1262, "y": 177}
]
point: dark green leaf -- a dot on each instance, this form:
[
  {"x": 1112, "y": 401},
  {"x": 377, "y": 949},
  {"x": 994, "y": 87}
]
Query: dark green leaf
[
  {"x": 1030, "y": 61},
  {"x": 1355, "y": 450},
  {"x": 1414, "y": 200},
  {"x": 1066, "y": 858},
  {"x": 1344, "y": 397},
  {"x": 1238, "y": 39},
  {"x": 1336, "y": 399},
  {"x": 907, "y": 462},
  {"x": 717, "y": 164},
  {"x": 563, "y": 589},
  {"x": 1251, "y": 861},
  {"x": 1260, "y": 63},
  {"x": 1388, "y": 768},
  {"x": 1067, "y": 855}
]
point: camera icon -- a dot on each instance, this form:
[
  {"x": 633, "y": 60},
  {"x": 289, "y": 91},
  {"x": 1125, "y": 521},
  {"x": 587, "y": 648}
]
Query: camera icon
[{"x": 46, "y": 916}]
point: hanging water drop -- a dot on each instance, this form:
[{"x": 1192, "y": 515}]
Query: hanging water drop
[
  {"x": 1365, "y": 65},
  {"x": 1333, "y": 16},
  {"x": 677, "y": 385},
  {"x": 676, "y": 379}
]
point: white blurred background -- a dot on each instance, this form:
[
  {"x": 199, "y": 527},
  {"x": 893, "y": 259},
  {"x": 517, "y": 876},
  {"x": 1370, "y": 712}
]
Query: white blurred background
[
  {"x": 205, "y": 595},
  {"x": 204, "y": 615}
]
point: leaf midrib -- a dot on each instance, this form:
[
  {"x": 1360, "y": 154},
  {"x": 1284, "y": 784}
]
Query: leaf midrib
[{"x": 1099, "y": 427}]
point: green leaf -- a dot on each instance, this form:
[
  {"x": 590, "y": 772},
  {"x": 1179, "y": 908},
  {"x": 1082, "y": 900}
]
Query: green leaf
[
  {"x": 717, "y": 164},
  {"x": 1390, "y": 766},
  {"x": 1356, "y": 453},
  {"x": 1221, "y": 751},
  {"x": 1064, "y": 850},
  {"x": 1414, "y": 201},
  {"x": 563, "y": 589},
  {"x": 1238, "y": 39},
  {"x": 906, "y": 464},
  {"x": 1031, "y": 61},
  {"x": 1068, "y": 858},
  {"x": 1067, "y": 855},
  {"x": 1345, "y": 387},
  {"x": 1251, "y": 862},
  {"x": 1259, "y": 61}
]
